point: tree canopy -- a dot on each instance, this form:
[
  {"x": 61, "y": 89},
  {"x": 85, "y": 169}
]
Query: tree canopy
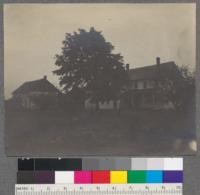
[{"x": 88, "y": 64}]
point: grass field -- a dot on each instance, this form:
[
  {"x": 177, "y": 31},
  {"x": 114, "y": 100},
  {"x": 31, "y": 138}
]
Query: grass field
[{"x": 102, "y": 133}]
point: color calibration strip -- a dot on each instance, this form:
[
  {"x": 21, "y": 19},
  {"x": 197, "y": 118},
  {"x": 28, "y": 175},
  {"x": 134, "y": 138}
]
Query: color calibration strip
[
  {"x": 100, "y": 177},
  {"x": 72, "y": 171}
]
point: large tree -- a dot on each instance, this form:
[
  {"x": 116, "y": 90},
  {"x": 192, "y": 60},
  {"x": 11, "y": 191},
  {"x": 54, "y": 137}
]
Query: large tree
[{"x": 88, "y": 64}]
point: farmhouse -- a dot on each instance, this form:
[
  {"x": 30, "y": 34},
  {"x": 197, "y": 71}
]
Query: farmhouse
[
  {"x": 37, "y": 94},
  {"x": 144, "y": 84}
]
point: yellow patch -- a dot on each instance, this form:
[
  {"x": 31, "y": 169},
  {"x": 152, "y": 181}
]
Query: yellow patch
[{"x": 118, "y": 177}]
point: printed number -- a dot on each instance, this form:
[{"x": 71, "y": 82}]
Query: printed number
[
  {"x": 163, "y": 188},
  {"x": 178, "y": 187},
  {"x": 130, "y": 187},
  {"x": 113, "y": 188}
]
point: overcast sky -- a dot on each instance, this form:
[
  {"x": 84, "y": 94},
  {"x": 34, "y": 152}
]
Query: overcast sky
[{"x": 140, "y": 32}]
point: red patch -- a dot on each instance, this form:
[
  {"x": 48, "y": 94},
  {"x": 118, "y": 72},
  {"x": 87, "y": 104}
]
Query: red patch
[{"x": 100, "y": 176}]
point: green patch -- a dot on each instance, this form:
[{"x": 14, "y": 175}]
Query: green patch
[{"x": 136, "y": 176}]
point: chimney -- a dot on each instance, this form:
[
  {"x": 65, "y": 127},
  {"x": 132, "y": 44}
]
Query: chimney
[
  {"x": 158, "y": 61},
  {"x": 127, "y": 67},
  {"x": 45, "y": 77}
]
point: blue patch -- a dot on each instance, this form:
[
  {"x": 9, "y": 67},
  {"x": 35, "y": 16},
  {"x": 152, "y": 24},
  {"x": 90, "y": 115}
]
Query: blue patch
[{"x": 154, "y": 177}]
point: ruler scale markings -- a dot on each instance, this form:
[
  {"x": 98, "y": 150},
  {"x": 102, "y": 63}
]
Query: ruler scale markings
[{"x": 140, "y": 189}]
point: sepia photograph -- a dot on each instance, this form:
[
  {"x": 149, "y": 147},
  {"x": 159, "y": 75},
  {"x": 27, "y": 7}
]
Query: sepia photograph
[{"x": 100, "y": 79}]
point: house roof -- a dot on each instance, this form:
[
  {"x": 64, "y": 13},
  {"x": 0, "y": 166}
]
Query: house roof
[
  {"x": 152, "y": 71},
  {"x": 41, "y": 85}
]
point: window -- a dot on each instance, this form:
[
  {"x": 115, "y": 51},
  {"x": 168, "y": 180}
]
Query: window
[{"x": 140, "y": 85}]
